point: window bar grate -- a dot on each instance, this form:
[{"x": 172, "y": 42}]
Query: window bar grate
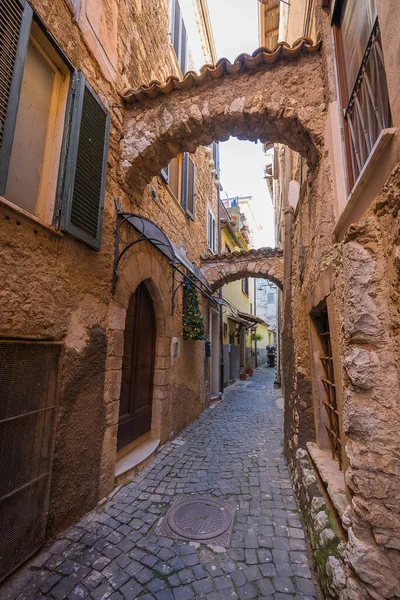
[{"x": 330, "y": 403}]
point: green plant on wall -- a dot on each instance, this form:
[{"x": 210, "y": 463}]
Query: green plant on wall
[
  {"x": 256, "y": 337},
  {"x": 192, "y": 319}
]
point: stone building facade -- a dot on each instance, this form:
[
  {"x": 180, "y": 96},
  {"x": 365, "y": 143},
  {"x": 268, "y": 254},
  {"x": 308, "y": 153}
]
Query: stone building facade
[
  {"x": 64, "y": 334},
  {"x": 243, "y": 329},
  {"x": 338, "y": 235},
  {"x": 342, "y": 381}
]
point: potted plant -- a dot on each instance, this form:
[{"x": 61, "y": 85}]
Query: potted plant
[
  {"x": 243, "y": 376},
  {"x": 250, "y": 371}
]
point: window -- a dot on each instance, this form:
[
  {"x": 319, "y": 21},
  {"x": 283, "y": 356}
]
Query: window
[
  {"x": 179, "y": 36},
  {"x": 180, "y": 176},
  {"x": 49, "y": 113},
  {"x": 34, "y": 120},
  {"x": 331, "y": 420},
  {"x": 308, "y": 28},
  {"x": 245, "y": 286},
  {"x": 271, "y": 298},
  {"x": 211, "y": 231},
  {"x": 362, "y": 80}
]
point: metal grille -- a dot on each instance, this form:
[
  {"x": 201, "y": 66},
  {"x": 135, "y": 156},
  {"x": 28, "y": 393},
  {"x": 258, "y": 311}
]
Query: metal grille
[
  {"x": 332, "y": 424},
  {"x": 86, "y": 201},
  {"x": 200, "y": 519},
  {"x": 10, "y": 23},
  {"x": 368, "y": 110},
  {"x": 28, "y": 386}
]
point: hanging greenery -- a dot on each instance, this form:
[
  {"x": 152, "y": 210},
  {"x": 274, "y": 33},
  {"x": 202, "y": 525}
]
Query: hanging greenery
[
  {"x": 192, "y": 319},
  {"x": 256, "y": 337}
]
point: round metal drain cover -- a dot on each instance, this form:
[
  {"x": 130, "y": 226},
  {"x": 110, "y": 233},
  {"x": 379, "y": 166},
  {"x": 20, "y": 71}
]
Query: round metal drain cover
[{"x": 199, "y": 519}]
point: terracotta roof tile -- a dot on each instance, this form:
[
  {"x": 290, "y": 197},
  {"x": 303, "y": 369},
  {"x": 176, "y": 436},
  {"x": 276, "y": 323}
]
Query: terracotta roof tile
[
  {"x": 244, "y": 62},
  {"x": 232, "y": 256}
]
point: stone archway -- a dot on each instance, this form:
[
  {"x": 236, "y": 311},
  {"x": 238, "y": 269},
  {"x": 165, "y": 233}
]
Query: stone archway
[
  {"x": 270, "y": 96},
  {"x": 223, "y": 268}
]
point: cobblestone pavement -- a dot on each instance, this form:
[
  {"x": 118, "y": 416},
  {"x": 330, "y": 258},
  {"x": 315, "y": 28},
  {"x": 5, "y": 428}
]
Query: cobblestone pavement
[{"x": 233, "y": 451}]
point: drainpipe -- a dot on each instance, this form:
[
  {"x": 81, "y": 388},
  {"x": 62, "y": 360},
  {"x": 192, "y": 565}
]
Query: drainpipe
[
  {"x": 287, "y": 250},
  {"x": 255, "y": 314},
  {"x": 287, "y": 270},
  {"x": 221, "y": 333}
]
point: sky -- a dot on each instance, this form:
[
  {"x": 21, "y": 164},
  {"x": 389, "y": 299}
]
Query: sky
[{"x": 235, "y": 29}]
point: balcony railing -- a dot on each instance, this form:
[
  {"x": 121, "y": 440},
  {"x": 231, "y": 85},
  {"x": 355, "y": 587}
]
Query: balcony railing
[{"x": 368, "y": 110}]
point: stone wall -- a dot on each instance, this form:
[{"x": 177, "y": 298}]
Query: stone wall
[
  {"x": 372, "y": 391},
  {"x": 357, "y": 273},
  {"x": 56, "y": 288},
  {"x": 202, "y": 108},
  {"x": 222, "y": 268},
  {"x": 325, "y": 533}
]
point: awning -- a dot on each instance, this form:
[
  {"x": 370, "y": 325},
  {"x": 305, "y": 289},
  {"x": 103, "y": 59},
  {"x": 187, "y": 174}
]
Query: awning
[
  {"x": 252, "y": 318},
  {"x": 150, "y": 232},
  {"x": 155, "y": 235},
  {"x": 240, "y": 321}
]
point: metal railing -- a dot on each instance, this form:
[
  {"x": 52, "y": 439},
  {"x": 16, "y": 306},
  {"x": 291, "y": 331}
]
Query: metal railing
[{"x": 368, "y": 109}]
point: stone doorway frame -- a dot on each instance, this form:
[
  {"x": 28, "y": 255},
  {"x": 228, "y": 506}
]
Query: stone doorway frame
[{"x": 149, "y": 266}]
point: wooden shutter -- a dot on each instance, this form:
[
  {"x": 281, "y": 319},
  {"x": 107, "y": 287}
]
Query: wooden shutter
[
  {"x": 15, "y": 25},
  {"x": 179, "y": 36},
  {"x": 165, "y": 174},
  {"x": 176, "y": 27},
  {"x": 184, "y": 49},
  {"x": 216, "y": 159},
  {"x": 211, "y": 231},
  {"x": 184, "y": 180},
  {"x": 191, "y": 188},
  {"x": 85, "y": 165},
  {"x": 214, "y": 236}
]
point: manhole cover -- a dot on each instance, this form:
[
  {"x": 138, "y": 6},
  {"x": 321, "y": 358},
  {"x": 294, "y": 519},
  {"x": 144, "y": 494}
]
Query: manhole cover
[{"x": 198, "y": 519}]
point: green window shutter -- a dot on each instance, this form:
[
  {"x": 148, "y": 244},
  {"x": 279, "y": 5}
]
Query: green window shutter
[
  {"x": 184, "y": 180},
  {"x": 216, "y": 159},
  {"x": 190, "y": 188},
  {"x": 179, "y": 36},
  {"x": 165, "y": 174},
  {"x": 85, "y": 165},
  {"x": 176, "y": 27},
  {"x": 183, "y": 61},
  {"x": 15, "y": 26}
]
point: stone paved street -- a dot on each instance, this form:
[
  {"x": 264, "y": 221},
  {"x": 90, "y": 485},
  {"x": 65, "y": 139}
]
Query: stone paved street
[{"x": 232, "y": 452}]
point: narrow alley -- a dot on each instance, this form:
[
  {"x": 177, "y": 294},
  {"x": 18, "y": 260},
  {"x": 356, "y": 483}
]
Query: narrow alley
[{"x": 233, "y": 453}]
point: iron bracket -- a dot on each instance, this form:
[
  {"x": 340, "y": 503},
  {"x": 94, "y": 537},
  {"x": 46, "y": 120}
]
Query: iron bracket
[{"x": 122, "y": 218}]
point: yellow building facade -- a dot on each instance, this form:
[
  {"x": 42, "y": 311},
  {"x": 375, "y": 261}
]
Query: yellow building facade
[{"x": 241, "y": 328}]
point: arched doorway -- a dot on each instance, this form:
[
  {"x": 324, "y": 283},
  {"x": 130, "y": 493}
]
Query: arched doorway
[{"x": 136, "y": 398}]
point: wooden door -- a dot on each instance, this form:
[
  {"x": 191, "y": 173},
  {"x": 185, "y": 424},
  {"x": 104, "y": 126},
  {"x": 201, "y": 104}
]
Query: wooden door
[{"x": 137, "y": 368}]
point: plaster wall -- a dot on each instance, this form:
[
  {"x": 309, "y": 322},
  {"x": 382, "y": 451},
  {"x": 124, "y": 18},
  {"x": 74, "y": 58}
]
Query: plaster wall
[
  {"x": 265, "y": 309},
  {"x": 354, "y": 267},
  {"x": 56, "y": 288}
]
